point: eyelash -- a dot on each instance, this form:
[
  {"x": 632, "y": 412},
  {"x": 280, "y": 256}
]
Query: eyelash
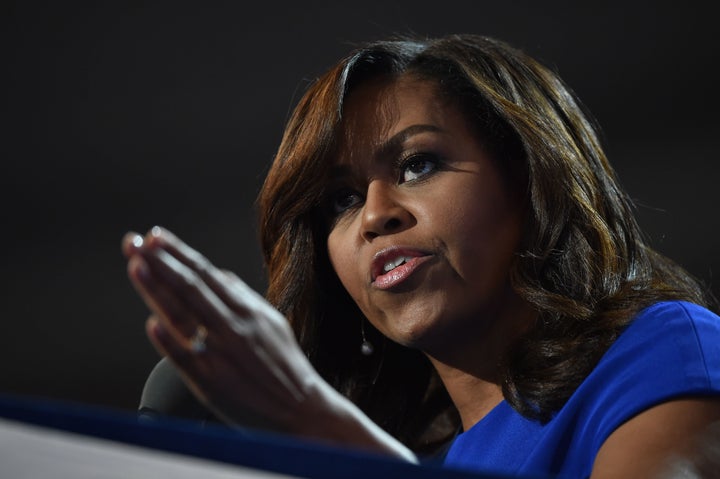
[
  {"x": 401, "y": 166},
  {"x": 409, "y": 160}
]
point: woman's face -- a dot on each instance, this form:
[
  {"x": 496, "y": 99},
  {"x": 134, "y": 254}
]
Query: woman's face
[{"x": 424, "y": 228}]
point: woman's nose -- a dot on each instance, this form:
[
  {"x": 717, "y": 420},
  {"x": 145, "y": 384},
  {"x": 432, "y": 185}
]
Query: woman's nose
[{"x": 382, "y": 213}]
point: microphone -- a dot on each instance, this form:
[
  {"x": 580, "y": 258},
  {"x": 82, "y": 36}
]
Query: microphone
[{"x": 166, "y": 394}]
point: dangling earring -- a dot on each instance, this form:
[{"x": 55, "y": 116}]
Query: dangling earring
[{"x": 366, "y": 348}]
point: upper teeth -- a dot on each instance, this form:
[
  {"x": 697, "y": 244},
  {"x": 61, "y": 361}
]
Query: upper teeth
[{"x": 392, "y": 264}]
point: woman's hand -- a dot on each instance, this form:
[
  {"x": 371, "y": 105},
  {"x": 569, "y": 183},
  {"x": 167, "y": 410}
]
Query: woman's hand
[{"x": 236, "y": 352}]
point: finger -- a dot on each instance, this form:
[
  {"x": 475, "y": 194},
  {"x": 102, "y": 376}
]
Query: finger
[
  {"x": 186, "y": 287},
  {"x": 236, "y": 293},
  {"x": 178, "y": 319},
  {"x": 177, "y": 349},
  {"x": 131, "y": 243},
  {"x": 197, "y": 369},
  {"x": 229, "y": 288},
  {"x": 239, "y": 392},
  {"x": 163, "y": 238},
  {"x": 157, "y": 334}
]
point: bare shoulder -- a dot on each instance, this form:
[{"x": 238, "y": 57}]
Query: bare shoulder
[{"x": 642, "y": 446}]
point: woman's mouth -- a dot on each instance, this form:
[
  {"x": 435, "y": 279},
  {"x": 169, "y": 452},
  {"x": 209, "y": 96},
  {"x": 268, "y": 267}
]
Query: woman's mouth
[{"x": 394, "y": 265}]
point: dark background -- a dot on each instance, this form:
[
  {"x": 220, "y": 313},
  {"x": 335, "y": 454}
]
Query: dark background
[{"x": 123, "y": 115}]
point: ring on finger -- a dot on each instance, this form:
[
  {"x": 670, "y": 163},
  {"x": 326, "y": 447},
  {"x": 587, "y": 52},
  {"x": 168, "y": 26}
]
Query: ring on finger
[{"x": 197, "y": 341}]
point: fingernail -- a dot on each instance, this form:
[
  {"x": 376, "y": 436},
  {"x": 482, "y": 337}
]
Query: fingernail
[
  {"x": 137, "y": 241},
  {"x": 155, "y": 231}
]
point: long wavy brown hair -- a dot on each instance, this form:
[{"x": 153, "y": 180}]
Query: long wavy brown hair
[{"x": 583, "y": 263}]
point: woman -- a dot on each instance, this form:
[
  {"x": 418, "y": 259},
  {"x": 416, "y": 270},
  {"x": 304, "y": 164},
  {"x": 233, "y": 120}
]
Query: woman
[{"x": 446, "y": 206}]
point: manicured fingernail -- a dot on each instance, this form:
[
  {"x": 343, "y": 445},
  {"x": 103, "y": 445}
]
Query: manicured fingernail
[
  {"x": 137, "y": 241},
  {"x": 155, "y": 231}
]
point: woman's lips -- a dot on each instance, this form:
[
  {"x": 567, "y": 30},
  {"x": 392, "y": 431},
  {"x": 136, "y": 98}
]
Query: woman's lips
[{"x": 386, "y": 275}]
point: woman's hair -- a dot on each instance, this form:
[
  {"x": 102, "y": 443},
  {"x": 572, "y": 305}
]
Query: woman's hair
[{"x": 583, "y": 264}]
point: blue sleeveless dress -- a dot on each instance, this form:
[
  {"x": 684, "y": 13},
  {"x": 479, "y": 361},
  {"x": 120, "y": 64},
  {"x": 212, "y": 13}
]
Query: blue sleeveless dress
[{"x": 670, "y": 350}]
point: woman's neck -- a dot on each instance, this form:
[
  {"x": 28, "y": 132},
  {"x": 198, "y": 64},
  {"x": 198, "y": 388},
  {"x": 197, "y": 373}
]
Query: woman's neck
[
  {"x": 470, "y": 365},
  {"x": 473, "y": 397}
]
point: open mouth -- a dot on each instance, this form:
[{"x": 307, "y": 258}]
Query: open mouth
[{"x": 394, "y": 265}]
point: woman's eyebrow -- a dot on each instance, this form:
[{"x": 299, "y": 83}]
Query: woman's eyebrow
[
  {"x": 388, "y": 148},
  {"x": 394, "y": 143}
]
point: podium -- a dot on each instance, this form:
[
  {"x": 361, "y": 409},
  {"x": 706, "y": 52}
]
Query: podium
[{"x": 46, "y": 438}]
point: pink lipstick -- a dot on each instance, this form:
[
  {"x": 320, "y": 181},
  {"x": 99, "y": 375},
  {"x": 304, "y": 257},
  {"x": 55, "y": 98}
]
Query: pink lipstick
[{"x": 394, "y": 265}]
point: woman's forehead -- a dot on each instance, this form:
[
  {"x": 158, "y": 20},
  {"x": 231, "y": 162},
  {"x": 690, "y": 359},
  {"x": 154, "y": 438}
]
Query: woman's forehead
[{"x": 377, "y": 110}]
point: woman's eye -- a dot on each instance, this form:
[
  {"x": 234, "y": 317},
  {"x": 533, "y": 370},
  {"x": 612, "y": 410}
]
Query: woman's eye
[
  {"x": 417, "y": 166},
  {"x": 343, "y": 200}
]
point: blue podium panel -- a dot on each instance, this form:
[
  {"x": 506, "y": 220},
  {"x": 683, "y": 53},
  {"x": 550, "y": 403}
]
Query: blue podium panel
[{"x": 60, "y": 440}]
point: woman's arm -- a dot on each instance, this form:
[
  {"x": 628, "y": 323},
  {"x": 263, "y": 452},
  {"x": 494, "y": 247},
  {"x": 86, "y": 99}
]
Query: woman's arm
[
  {"x": 644, "y": 446},
  {"x": 248, "y": 368}
]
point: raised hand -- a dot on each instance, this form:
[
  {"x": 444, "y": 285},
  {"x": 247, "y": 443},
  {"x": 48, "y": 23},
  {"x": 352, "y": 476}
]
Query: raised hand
[{"x": 236, "y": 352}]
